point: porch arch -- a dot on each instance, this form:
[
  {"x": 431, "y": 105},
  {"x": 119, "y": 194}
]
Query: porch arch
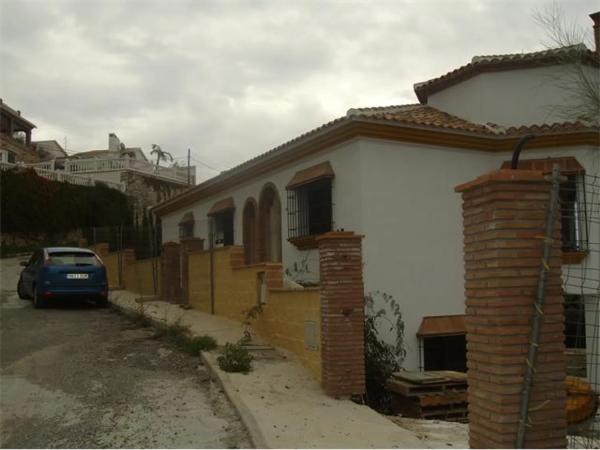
[
  {"x": 269, "y": 224},
  {"x": 250, "y": 231}
]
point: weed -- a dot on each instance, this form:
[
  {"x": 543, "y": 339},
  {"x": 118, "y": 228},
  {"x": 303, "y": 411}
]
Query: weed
[
  {"x": 200, "y": 344},
  {"x": 235, "y": 358}
]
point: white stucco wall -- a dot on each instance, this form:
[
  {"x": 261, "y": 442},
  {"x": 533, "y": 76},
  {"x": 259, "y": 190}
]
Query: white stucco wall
[
  {"x": 401, "y": 197},
  {"x": 345, "y": 161},
  {"x": 511, "y": 97},
  {"x": 413, "y": 228}
]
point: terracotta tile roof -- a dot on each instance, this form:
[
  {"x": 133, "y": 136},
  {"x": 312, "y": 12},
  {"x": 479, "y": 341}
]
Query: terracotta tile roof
[
  {"x": 421, "y": 115},
  {"x": 415, "y": 116},
  {"x": 488, "y": 63}
]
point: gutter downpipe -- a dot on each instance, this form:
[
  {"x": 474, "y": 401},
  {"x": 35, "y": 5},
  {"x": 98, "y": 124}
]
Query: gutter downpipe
[
  {"x": 538, "y": 313},
  {"x": 517, "y": 151}
]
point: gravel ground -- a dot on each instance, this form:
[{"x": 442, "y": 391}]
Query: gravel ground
[{"x": 74, "y": 376}]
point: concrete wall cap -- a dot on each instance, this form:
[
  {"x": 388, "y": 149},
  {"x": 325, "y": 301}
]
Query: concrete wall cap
[
  {"x": 504, "y": 176},
  {"x": 339, "y": 235}
]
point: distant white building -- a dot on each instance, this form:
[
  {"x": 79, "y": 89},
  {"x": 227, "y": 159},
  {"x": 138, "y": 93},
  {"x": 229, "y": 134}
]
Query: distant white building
[{"x": 389, "y": 173}]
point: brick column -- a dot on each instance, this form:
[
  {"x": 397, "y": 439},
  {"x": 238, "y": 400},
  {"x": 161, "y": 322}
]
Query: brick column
[
  {"x": 342, "y": 314},
  {"x": 504, "y": 220},
  {"x": 170, "y": 260},
  {"x": 188, "y": 245}
]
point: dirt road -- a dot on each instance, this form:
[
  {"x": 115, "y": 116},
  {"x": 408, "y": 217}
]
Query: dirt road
[{"x": 77, "y": 376}]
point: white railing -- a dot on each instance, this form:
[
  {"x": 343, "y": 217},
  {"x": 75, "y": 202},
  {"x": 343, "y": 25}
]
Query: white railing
[
  {"x": 47, "y": 165},
  {"x": 63, "y": 177},
  {"x": 102, "y": 165}
]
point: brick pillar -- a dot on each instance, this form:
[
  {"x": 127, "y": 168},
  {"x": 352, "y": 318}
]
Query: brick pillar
[
  {"x": 504, "y": 219},
  {"x": 342, "y": 314},
  {"x": 170, "y": 260},
  {"x": 188, "y": 245}
]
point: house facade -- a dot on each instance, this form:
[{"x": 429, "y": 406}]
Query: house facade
[
  {"x": 389, "y": 173},
  {"x": 15, "y": 137}
]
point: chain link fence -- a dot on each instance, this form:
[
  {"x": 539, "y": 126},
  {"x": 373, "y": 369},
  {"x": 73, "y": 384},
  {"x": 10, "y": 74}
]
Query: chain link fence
[{"x": 580, "y": 227}]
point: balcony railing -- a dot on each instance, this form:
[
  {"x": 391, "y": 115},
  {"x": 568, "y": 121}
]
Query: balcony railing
[
  {"x": 62, "y": 176},
  {"x": 92, "y": 165}
]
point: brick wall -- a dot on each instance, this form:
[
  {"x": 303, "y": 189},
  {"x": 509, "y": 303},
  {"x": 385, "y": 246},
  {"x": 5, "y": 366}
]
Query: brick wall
[
  {"x": 342, "y": 314},
  {"x": 504, "y": 220}
]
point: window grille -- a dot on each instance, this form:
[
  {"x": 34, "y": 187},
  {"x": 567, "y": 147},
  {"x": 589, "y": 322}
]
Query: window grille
[{"x": 309, "y": 209}]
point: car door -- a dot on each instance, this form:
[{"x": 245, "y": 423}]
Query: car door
[{"x": 29, "y": 274}]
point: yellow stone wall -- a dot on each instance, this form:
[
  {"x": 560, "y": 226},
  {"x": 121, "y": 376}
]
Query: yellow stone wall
[
  {"x": 136, "y": 275},
  {"x": 111, "y": 261},
  {"x": 285, "y": 313},
  {"x": 199, "y": 281}
]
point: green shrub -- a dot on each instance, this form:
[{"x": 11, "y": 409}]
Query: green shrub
[
  {"x": 31, "y": 204},
  {"x": 235, "y": 358},
  {"x": 382, "y": 358}
]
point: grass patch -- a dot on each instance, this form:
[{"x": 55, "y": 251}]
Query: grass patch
[
  {"x": 181, "y": 336},
  {"x": 235, "y": 358}
]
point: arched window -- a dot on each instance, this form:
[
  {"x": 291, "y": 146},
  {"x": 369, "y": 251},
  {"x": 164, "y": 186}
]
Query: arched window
[
  {"x": 269, "y": 223},
  {"x": 250, "y": 226}
]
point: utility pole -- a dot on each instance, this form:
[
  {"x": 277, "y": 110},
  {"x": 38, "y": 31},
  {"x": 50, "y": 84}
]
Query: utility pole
[{"x": 188, "y": 168}]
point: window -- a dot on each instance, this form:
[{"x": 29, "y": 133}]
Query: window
[
  {"x": 310, "y": 204},
  {"x": 72, "y": 259},
  {"x": 572, "y": 198},
  {"x": 574, "y": 322},
  {"x": 7, "y": 157},
  {"x": 573, "y": 212},
  {"x": 445, "y": 353},
  {"x": 310, "y": 209},
  {"x": 186, "y": 226},
  {"x": 223, "y": 228},
  {"x": 443, "y": 343},
  {"x": 221, "y": 222}
]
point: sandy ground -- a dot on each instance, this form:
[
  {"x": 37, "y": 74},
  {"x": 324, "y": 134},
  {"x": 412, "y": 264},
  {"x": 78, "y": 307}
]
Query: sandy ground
[{"x": 76, "y": 376}]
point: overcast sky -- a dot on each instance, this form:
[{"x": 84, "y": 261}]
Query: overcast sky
[{"x": 229, "y": 79}]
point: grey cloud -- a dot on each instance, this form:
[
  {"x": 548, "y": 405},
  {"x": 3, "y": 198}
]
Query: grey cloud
[{"x": 232, "y": 79}]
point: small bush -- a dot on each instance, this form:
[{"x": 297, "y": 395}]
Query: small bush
[
  {"x": 200, "y": 344},
  {"x": 235, "y": 358}
]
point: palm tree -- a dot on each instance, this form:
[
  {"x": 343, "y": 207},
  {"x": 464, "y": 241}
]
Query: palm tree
[{"x": 161, "y": 155}]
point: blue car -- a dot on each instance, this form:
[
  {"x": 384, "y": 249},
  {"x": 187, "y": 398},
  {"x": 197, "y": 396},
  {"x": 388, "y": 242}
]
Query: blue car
[{"x": 63, "y": 272}]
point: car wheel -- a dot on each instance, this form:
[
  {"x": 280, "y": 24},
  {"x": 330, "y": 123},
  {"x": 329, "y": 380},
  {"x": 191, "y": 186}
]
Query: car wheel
[
  {"x": 38, "y": 302},
  {"x": 20, "y": 291},
  {"x": 102, "y": 303}
]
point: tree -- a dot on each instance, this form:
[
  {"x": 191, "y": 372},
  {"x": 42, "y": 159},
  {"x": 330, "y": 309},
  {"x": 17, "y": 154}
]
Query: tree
[
  {"x": 161, "y": 155},
  {"x": 580, "y": 79}
]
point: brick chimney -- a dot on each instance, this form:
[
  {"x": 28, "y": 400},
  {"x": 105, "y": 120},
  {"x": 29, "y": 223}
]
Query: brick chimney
[{"x": 596, "y": 18}]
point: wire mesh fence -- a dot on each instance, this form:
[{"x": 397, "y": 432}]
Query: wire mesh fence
[{"x": 580, "y": 228}]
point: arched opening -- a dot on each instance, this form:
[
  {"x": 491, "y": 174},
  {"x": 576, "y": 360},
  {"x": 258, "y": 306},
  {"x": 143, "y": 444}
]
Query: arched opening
[
  {"x": 269, "y": 238},
  {"x": 250, "y": 218}
]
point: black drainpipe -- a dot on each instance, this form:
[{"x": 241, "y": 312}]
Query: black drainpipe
[{"x": 517, "y": 151}]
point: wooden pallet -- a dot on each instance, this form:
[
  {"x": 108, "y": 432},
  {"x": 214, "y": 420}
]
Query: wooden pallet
[{"x": 438, "y": 395}]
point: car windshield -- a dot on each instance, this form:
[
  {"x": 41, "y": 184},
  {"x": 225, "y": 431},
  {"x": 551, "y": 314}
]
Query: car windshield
[{"x": 72, "y": 259}]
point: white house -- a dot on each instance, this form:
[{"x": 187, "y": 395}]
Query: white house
[{"x": 389, "y": 174}]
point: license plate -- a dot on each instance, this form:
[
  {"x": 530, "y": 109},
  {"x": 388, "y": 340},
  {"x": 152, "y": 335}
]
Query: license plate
[{"x": 77, "y": 276}]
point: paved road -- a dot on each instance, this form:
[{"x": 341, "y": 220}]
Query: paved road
[{"x": 77, "y": 376}]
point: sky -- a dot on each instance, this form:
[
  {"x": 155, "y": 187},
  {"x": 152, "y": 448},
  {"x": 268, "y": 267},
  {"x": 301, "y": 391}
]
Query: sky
[{"x": 233, "y": 79}]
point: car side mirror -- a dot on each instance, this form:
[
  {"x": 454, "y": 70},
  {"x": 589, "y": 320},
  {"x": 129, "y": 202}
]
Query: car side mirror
[{"x": 24, "y": 263}]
